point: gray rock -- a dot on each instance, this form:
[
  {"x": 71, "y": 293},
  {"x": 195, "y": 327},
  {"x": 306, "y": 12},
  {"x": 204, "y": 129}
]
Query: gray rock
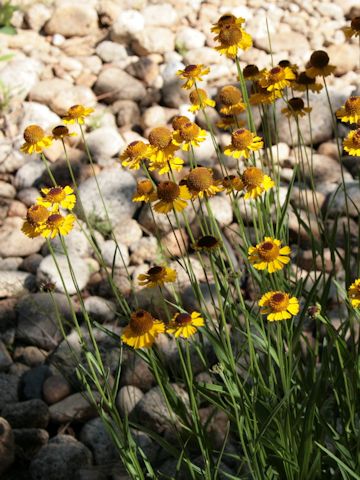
[
  {"x": 160, "y": 15},
  {"x": 336, "y": 203},
  {"x": 75, "y": 95},
  {"x": 37, "y": 15},
  {"x": 158, "y": 221},
  {"x": 10, "y": 159},
  {"x": 7, "y": 446},
  {"x": 55, "y": 389},
  {"x": 28, "y": 196},
  {"x": 30, "y": 440},
  {"x": 221, "y": 210},
  {"x": 37, "y": 320},
  {"x": 153, "y": 40},
  {"x": 188, "y": 38},
  {"x": 95, "y": 436},
  {"x": 13, "y": 242},
  {"x": 48, "y": 272},
  {"x": 117, "y": 187},
  {"x": 111, "y": 52},
  {"x": 146, "y": 443},
  {"x": 29, "y": 174},
  {"x": 45, "y": 90},
  {"x": 115, "y": 84},
  {"x": 136, "y": 372},
  {"x": 7, "y": 190},
  {"x": 9, "y": 387},
  {"x": 104, "y": 142},
  {"x": 72, "y": 19},
  {"x": 15, "y": 284},
  {"x": 10, "y": 263},
  {"x": 5, "y": 358},
  {"x": 60, "y": 459},
  {"x": 30, "y": 414},
  {"x": 100, "y": 309},
  {"x": 128, "y": 23},
  {"x": 128, "y": 113},
  {"x": 20, "y": 75},
  {"x": 128, "y": 233},
  {"x": 116, "y": 255},
  {"x": 77, "y": 243},
  {"x": 32, "y": 382},
  {"x": 144, "y": 250},
  {"x": 127, "y": 398},
  {"x": 73, "y": 408},
  {"x": 38, "y": 114}
]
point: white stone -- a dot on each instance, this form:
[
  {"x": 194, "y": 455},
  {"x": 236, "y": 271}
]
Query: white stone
[
  {"x": 188, "y": 38},
  {"x": 111, "y": 52},
  {"x": 160, "y": 15},
  {"x": 104, "y": 142},
  {"x": 115, "y": 254}
]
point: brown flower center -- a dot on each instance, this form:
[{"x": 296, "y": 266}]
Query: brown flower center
[
  {"x": 356, "y": 138},
  {"x": 226, "y": 19},
  {"x": 355, "y": 24},
  {"x": 141, "y": 322},
  {"x": 230, "y": 95},
  {"x": 276, "y": 74},
  {"x": 253, "y": 177},
  {"x": 33, "y": 134},
  {"x": 207, "y": 241},
  {"x": 228, "y": 181},
  {"x": 319, "y": 59},
  {"x": 55, "y": 220},
  {"x": 136, "y": 149},
  {"x": 168, "y": 191},
  {"x": 296, "y": 104},
  {"x": 303, "y": 79},
  {"x": 60, "y": 131},
  {"x": 144, "y": 187},
  {"x": 284, "y": 63},
  {"x": 183, "y": 319},
  {"x": 37, "y": 214},
  {"x": 191, "y": 71},
  {"x": 241, "y": 139},
  {"x": 56, "y": 195},
  {"x": 178, "y": 121},
  {"x": 189, "y": 131},
  {"x": 250, "y": 70},
  {"x": 160, "y": 137},
  {"x": 352, "y": 105},
  {"x": 198, "y": 97},
  {"x": 230, "y": 34},
  {"x": 279, "y": 301},
  {"x": 76, "y": 111},
  {"x": 268, "y": 251},
  {"x": 199, "y": 179}
]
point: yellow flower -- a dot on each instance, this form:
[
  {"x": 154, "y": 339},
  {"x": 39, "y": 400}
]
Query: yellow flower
[
  {"x": 133, "y": 154},
  {"x": 35, "y": 140},
  {"x": 60, "y": 132},
  {"x": 287, "y": 63},
  {"x": 200, "y": 182},
  {"x": 145, "y": 191},
  {"x": 227, "y": 19},
  {"x": 354, "y": 293},
  {"x": 200, "y": 100},
  {"x": 296, "y": 108},
  {"x": 58, "y": 197},
  {"x": 232, "y": 100},
  {"x": 350, "y": 112},
  {"x": 189, "y": 134},
  {"x": 161, "y": 145},
  {"x": 229, "y": 122},
  {"x": 207, "y": 243},
  {"x": 352, "y": 143},
  {"x": 178, "y": 121},
  {"x": 354, "y": 29},
  {"x": 319, "y": 65},
  {"x": 184, "y": 324},
  {"x": 231, "y": 183},
  {"x": 277, "y": 78},
  {"x": 57, "y": 224},
  {"x": 255, "y": 182},
  {"x": 142, "y": 330},
  {"x": 36, "y": 218},
  {"x": 243, "y": 142},
  {"x": 77, "y": 114},
  {"x": 157, "y": 276},
  {"x": 171, "y": 196},
  {"x": 173, "y": 163},
  {"x": 231, "y": 37},
  {"x": 263, "y": 97},
  {"x": 278, "y": 306},
  {"x": 304, "y": 83},
  {"x": 251, "y": 72},
  {"x": 269, "y": 255},
  {"x": 191, "y": 74}
]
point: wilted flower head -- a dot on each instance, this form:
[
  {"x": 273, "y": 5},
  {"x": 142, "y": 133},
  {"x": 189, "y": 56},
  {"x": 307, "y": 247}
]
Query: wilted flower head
[
  {"x": 296, "y": 108},
  {"x": 243, "y": 142},
  {"x": 35, "y": 140},
  {"x": 319, "y": 65},
  {"x": 134, "y": 154},
  {"x": 304, "y": 83},
  {"x": 255, "y": 182},
  {"x": 199, "y": 100},
  {"x": 232, "y": 100},
  {"x": 354, "y": 29}
]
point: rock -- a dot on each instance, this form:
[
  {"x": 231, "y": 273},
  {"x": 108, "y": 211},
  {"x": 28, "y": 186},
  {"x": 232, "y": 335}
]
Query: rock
[
  {"x": 48, "y": 272},
  {"x": 71, "y": 20},
  {"x": 10, "y": 263},
  {"x": 7, "y": 446},
  {"x": 100, "y": 309},
  {"x": 7, "y": 190},
  {"x": 9, "y": 387},
  {"x": 154, "y": 414},
  {"x": 104, "y": 142},
  {"x": 29, "y": 174},
  {"x": 32, "y": 382},
  {"x": 175, "y": 243},
  {"x": 20, "y": 75},
  {"x": 116, "y": 255},
  {"x": 127, "y": 398},
  {"x": 55, "y": 389},
  {"x": 336, "y": 203},
  {"x": 37, "y": 319},
  {"x": 31, "y": 356},
  {"x": 128, "y": 113},
  {"x": 307, "y": 200},
  {"x": 306, "y": 260},
  {"x": 153, "y": 40},
  {"x": 75, "y": 95},
  {"x": 96, "y": 438},
  {"x": 136, "y": 372},
  {"x": 128, "y": 233},
  {"x": 352, "y": 164},
  {"x": 77, "y": 243},
  {"x": 111, "y": 52},
  {"x": 344, "y": 56},
  {"x": 14, "y": 242},
  {"x": 159, "y": 222},
  {"x": 288, "y": 41},
  {"x": 115, "y": 84},
  {"x": 325, "y": 170},
  {"x": 73, "y": 408},
  {"x": 30, "y": 414},
  {"x": 300, "y": 233},
  {"x": 160, "y": 15},
  {"x": 222, "y": 210},
  {"x": 154, "y": 116},
  {"x": 17, "y": 209},
  {"x": 144, "y": 250},
  {"x": 28, "y": 196},
  {"x": 38, "y": 114},
  {"x": 37, "y": 15},
  {"x": 45, "y": 90},
  {"x": 188, "y": 38},
  {"x": 128, "y": 23},
  {"x": 5, "y": 359},
  {"x": 117, "y": 187},
  {"x": 30, "y": 440},
  {"x": 10, "y": 159},
  {"x": 31, "y": 263},
  {"x": 60, "y": 459},
  {"x": 15, "y": 284}
]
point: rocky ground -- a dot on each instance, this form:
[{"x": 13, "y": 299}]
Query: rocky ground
[{"x": 121, "y": 57}]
